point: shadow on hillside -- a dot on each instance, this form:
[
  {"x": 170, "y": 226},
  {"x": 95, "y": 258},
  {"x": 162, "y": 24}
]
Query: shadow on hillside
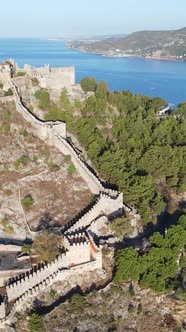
[{"x": 164, "y": 221}]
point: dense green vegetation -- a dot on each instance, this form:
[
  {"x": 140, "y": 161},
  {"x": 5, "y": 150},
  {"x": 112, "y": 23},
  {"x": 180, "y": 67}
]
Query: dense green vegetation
[
  {"x": 129, "y": 146},
  {"x": 157, "y": 267},
  {"x": 43, "y": 98},
  {"x": 36, "y": 323}
]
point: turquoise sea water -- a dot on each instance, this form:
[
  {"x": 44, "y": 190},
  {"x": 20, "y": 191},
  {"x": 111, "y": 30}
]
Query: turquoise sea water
[{"x": 148, "y": 77}]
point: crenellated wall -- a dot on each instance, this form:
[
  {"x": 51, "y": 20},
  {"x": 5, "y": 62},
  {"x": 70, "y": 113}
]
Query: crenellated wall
[
  {"x": 17, "y": 287},
  {"x": 52, "y": 78},
  {"x": 105, "y": 205},
  {"x": 82, "y": 253},
  {"x": 54, "y": 133},
  {"x": 43, "y": 129}
]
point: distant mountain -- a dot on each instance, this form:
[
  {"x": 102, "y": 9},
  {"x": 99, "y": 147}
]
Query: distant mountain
[{"x": 164, "y": 44}]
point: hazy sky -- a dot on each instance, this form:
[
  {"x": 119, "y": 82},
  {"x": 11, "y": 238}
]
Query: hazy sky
[{"x": 58, "y": 18}]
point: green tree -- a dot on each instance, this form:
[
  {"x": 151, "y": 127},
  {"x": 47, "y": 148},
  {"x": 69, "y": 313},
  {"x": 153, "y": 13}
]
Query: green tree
[
  {"x": 127, "y": 265},
  {"x": 43, "y": 98},
  {"x": 88, "y": 84},
  {"x": 182, "y": 221},
  {"x": 101, "y": 89},
  {"x": 36, "y": 323},
  {"x": 46, "y": 246}
]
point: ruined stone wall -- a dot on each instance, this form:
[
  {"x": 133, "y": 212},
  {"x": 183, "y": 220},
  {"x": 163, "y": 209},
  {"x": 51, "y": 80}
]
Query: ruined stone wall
[
  {"x": 52, "y": 78},
  {"x": 5, "y": 75}
]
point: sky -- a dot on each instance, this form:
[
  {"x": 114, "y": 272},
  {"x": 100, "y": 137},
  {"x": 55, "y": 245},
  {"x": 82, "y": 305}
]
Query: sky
[{"x": 71, "y": 18}]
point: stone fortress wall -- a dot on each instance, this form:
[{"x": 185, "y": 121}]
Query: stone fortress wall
[
  {"x": 5, "y": 74},
  {"x": 82, "y": 253},
  {"x": 54, "y": 133},
  {"x": 51, "y": 78}
]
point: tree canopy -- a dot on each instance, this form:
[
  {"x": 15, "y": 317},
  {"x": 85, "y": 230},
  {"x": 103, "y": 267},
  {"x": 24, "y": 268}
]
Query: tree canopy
[
  {"x": 128, "y": 144},
  {"x": 158, "y": 268}
]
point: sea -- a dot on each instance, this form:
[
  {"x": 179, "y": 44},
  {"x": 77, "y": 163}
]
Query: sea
[{"x": 166, "y": 79}]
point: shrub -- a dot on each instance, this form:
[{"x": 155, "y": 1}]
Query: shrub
[
  {"x": 53, "y": 167},
  {"x": 27, "y": 202},
  {"x": 20, "y": 73},
  {"x": 6, "y": 227},
  {"x": 36, "y": 323},
  {"x": 71, "y": 169},
  {"x": 46, "y": 246},
  {"x": 35, "y": 81},
  {"x": 52, "y": 293},
  {"x": 9, "y": 92},
  {"x": 37, "y": 94},
  {"x": 139, "y": 309},
  {"x": 1, "y": 85},
  {"x": 5, "y": 127},
  {"x": 77, "y": 103},
  {"x": 6, "y": 116},
  {"x": 23, "y": 132},
  {"x": 24, "y": 160},
  {"x": 67, "y": 157},
  {"x": 43, "y": 98},
  {"x": 77, "y": 302},
  {"x": 131, "y": 308},
  {"x": 26, "y": 248}
]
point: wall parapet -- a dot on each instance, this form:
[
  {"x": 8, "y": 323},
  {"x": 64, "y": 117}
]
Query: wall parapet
[{"x": 82, "y": 253}]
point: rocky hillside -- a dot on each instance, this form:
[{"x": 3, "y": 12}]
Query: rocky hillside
[
  {"x": 38, "y": 184},
  {"x": 166, "y": 44}
]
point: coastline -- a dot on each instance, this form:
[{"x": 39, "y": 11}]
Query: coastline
[{"x": 125, "y": 56}]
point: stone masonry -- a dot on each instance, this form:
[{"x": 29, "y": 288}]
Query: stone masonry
[{"x": 81, "y": 253}]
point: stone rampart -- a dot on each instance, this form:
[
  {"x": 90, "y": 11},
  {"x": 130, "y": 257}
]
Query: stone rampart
[
  {"x": 92, "y": 181},
  {"x": 28, "y": 289},
  {"x": 52, "y": 78},
  {"x": 55, "y": 134},
  {"x": 82, "y": 254},
  {"x": 17, "y": 287},
  {"x": 110, "y": 206},
  {"x": 59, "y": 275},
  {"x": 98, "y": 223},
  {"x": 43, "y": 129}
]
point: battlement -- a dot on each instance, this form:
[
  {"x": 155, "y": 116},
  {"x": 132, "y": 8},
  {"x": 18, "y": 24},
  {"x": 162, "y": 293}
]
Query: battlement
[
  {"x": 82, "y": 253},
  {"x": 51, "y": 78}
]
